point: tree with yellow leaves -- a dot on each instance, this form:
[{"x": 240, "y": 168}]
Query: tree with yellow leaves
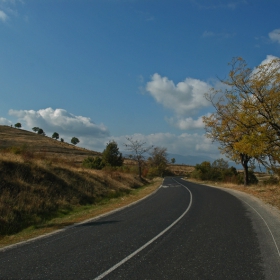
[{"x": 247, "y": 118}]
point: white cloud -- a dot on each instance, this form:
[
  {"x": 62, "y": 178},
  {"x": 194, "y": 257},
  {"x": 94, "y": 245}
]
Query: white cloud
[
  {"x": 3, "y": 16},
  {"x": 275, "y": 35},
  {"x": 186, "y": 97},
  {"x": 4, "y": 121},
  {"x": 183, "y": 144},
  {"x": 187, "y": 123},
  {"x": 61, "y": 121},
  {"x": 267, "y": 60}
]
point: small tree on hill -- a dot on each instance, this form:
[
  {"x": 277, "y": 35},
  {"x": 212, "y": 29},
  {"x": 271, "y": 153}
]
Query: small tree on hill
[
  {"x": 18, "y": 125},
  {"x": 75, "y": 140},
  {"x": 55, "y": 135},
  {"x": 173, "y": 160},
  {"x": 35, "y": 128},
  {"x": 111, "y": 155},
  {"x": 41, "y": 132}
]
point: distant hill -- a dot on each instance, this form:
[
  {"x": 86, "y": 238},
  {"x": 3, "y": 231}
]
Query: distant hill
[
  {"x": 193, "y": 160},
  {"x": 189, "y": 160},
  {"x": 39, "y": 144}
]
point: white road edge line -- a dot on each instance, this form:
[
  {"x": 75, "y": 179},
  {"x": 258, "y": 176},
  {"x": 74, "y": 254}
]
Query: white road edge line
[
  {"x": 148, "y": 243},
  {"x": 265, "y": 224},
  {"x": 272, "y": 236}
]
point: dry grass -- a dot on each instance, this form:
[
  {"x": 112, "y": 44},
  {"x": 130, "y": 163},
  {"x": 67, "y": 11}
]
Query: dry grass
[
  {"x": 42, "y": 146},
  {"x": 80, "y": 214},
  {"x": 43, "y": 186},
  {"x": 180, "y": 169}
]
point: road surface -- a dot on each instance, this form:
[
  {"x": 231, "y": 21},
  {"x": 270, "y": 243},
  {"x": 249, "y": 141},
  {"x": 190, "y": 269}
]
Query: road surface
[{"x": 182, "y": 231}]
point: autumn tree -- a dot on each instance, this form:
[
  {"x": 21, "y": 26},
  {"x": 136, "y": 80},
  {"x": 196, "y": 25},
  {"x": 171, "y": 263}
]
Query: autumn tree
[
  {"x": 258, "y": 94},
  {"x": 247, "y": 118},
  {"x": 138, "y": 150},
  {"x": 224, "y": 127},
  {"x": 111, "y": 155}
]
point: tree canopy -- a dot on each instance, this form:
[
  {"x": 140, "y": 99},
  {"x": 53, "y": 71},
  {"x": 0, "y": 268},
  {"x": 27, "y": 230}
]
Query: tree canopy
[
  {"x": 41, "y": 131},
  {"x": 111, "y": 155},
  {"x": 18, "y": 125},
  {"x": 158, "y": 161},
  {"x": 75, "y": 140},
  {"x": 246, "y": 121},
  {"x": 55, "y": 135}
]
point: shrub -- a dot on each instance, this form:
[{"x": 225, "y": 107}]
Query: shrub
[
  {"x": 271, "y": 181},
  {"x": 93, "y": 162}
]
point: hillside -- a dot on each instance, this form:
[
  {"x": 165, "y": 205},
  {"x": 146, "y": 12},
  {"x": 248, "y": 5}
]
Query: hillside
[
  {"x": 42, "y": 179},
  {"x": 44, "y": 145}
]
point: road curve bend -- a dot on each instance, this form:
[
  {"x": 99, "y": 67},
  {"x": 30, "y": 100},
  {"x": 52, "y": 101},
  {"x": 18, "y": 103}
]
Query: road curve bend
[{"x": 182, "y": 231}]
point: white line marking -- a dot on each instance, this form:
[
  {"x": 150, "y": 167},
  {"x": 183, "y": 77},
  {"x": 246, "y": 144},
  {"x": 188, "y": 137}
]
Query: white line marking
[
  {"x": 265, "y": 224},
  {"x": 148, "y": 243},
  {"x": 278, "y": 251}
]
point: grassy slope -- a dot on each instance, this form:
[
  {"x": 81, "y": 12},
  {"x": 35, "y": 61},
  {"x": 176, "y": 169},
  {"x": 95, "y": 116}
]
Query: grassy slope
[{"x": 43, "y": 186}]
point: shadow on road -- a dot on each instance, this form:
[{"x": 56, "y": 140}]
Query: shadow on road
[{"x": 90, "y": 224}]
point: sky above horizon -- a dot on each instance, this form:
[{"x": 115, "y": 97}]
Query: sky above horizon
[{"x": 105, "y": 70}]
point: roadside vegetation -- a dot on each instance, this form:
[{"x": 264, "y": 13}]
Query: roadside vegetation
[
  {"x": 47, "y": 184},
  {"x": 262, "y": 185}
]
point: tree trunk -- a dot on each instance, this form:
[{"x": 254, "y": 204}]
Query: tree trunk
[
  {"x": 244, "y": 161},
  {"x": 140, "y": 170}
]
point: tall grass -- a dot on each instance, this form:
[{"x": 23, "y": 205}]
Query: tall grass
[{"x": 34, "y": 189}]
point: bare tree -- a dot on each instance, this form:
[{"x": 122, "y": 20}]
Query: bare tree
[{"x": 138, "y": 150}]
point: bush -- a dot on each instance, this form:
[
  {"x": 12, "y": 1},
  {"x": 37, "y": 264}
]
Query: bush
[
  {"x": 218, "y": 171},
  {"x": 252, "y": 178},
  {"x": 271, "y": 181},
  {"x": 93, "y": 163}
]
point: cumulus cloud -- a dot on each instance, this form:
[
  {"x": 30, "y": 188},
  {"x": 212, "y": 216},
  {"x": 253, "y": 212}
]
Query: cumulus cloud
[
  {"x": 61, "y": 121},
  {"x": 4, "y": 121},
  {"x": 183, "y": 144},
  {"x": 187, "y": 123},
  {"x": 275, "y": 35},
  {"x": 3, "y": 16},
  {"x": 186, "y": 97},
  {"x": 267, "y": 60}
]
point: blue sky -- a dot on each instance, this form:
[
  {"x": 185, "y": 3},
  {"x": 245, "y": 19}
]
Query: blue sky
[{"x": 105, "y": 70}]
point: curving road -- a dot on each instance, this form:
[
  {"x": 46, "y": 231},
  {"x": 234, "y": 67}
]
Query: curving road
[{"x": 182, "y": 231}]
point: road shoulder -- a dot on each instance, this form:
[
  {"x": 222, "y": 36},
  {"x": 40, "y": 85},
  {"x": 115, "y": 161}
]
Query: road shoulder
[{"x": 266, "y": 222}]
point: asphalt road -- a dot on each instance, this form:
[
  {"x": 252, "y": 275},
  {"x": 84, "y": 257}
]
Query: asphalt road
[{"x": 183, "y": 231}]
